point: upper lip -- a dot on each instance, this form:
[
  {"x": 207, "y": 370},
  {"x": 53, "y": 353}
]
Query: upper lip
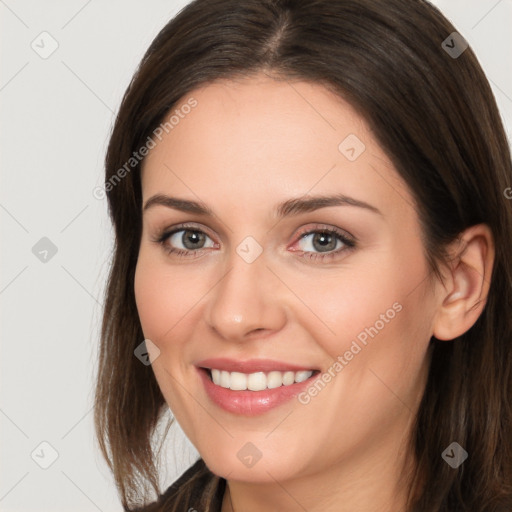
[{"x": 250, "y": 365}]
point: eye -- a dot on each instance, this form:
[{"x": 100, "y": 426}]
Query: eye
[
  {"x": 328, "y": 241},
  {"x": 189, "y": 241},
  {"x": 184, "y": 241}
]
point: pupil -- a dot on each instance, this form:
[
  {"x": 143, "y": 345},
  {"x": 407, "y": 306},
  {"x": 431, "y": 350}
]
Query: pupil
[
  {"x": 193, "y": 238},
  {"x": 326, "y": 240}
]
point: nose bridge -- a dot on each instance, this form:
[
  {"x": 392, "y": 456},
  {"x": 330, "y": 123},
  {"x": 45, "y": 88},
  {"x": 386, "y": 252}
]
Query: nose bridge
[{"x": 245, "y": 300}]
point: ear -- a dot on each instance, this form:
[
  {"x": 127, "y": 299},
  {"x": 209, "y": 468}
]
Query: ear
[{"x": 465, "y": 291}]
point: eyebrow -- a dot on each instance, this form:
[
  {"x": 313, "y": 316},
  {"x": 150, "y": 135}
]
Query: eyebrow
[{"x": 290, "y": 207}]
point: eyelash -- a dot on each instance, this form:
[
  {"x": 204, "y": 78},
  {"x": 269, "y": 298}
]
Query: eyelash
[{"x": 349, "y": 243}]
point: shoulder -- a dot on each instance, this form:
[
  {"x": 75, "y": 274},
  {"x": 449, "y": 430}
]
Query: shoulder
[{"x": 196, "y": 489}]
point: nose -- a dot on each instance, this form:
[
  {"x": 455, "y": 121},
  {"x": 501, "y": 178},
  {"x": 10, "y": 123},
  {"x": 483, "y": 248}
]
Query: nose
[{"x": 246, "y": 301}]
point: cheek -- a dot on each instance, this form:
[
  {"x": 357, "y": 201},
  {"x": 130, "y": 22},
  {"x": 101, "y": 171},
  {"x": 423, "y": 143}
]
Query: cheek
[
  {"x": 168, "y": 299},
  {"x": 159, "y": 298},
  {"x": 374, "y": 314},
  {"x": 346, "y": 302}
]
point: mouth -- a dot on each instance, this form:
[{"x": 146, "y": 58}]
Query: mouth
[
  {"x": 257, "y": 381},
  {"x": 255, "y": 386}
]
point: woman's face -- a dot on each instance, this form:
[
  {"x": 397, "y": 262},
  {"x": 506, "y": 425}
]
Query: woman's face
[{"x": 277, "y": 279}]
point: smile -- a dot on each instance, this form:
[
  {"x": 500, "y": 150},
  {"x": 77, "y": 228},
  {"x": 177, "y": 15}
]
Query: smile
[
  {"x": 252, "y": 387},
  {"x": 258, "y": 381}
]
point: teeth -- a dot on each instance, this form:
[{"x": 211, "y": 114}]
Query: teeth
[
  {"x": 237, "y": 381},
  {"x": 288, "y": 378},
  {"x": 275, "y": 379},
  {"x": 257, "y": 381},
  {"x": 302, "y": 376}
]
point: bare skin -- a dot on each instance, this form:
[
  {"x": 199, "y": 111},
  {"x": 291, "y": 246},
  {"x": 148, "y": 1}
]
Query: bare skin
[{"x": 247, "y": 146}]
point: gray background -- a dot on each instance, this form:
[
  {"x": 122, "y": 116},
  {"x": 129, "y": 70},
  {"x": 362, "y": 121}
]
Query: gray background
[{"x": 56, "y": 117}]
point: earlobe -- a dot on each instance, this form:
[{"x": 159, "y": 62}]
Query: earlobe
[{"x": 464, "y": 295}]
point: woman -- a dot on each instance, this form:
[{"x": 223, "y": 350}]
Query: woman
[{"x": 311, "y": 251}]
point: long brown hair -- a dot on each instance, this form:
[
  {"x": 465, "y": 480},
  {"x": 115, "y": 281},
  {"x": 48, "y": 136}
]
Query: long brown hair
[{"x": 435, "y": 116}]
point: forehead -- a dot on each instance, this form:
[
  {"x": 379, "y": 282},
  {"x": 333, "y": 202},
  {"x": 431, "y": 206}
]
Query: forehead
[{"x": 258, "y": 140}]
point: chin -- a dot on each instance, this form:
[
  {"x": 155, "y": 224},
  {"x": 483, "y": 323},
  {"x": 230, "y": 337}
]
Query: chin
[{"x": 243, "y": 469}]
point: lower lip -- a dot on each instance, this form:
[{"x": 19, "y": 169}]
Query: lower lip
[{"x": 251, "y": 403}]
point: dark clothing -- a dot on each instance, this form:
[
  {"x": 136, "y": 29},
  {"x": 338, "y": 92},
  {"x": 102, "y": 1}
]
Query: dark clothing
[{"x": 189, "y": 492}]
